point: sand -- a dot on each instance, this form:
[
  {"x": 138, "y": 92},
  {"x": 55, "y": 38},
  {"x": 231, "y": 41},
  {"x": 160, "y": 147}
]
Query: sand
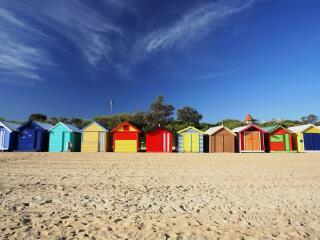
[{"x": 159, "y": 196}]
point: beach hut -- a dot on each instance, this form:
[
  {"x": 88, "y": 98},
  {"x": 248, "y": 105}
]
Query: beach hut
[
  {"x": 306, "y": 138},
  {"x": 8, "y": 136},
  {"x": 250, "y": 138},
  {"x": 221, "y": 139},
  {"x": 33, "y": 136},
  {"x": 279, "y": 139},
  {"x": 64, "y": 138},
  {"x": 95, "y": 138},
  {"x": 190, "y": 139},
  {"x": 159, "y": 140},
  {"x": 126, "y": 138}
]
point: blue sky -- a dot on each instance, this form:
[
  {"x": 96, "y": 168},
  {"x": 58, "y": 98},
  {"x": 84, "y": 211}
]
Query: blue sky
[{"x": 225, "y": 58}]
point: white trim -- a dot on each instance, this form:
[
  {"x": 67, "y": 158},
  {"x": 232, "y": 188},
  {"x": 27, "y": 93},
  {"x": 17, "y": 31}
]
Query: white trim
[{"x": 3, "y": 125}]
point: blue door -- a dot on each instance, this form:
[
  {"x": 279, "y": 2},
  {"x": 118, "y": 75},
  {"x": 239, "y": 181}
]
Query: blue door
[
  {"x": 311, "y": 141},
  {"x": 27, "y": 139}
]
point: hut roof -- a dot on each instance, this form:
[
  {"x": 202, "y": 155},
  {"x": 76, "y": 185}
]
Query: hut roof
[
  {"x": 213, "y": 130},
  {"x": 94, "y": 122},
  {"x": 272, "y": 128},
  {"x": 302, "y": 128},
  {"x": 69, "y": 126},
  {"x": 193, "y": 128},
  {"x": 123, "y": 124},
  {"x": 241, "y": 129},
  {"x": 10, "y": 126}
]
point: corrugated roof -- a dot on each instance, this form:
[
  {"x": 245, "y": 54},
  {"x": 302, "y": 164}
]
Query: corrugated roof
[
  {"x": 72, "y": 128},
  {"x": 11, "y": 126},
  {"x": 270, "y": 128},
  {"x": 45, "y": 126},
  {"x": 239, "y": 129},
  {"x": 190, "y": 127},
  {"x": 302, "y": 128},
  {"x": 213, "y": 130},
  {"x": 94, "y": 122}
]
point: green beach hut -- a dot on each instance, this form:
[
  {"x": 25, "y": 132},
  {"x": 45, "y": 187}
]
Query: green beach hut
[{"x": 64, "y": 138}]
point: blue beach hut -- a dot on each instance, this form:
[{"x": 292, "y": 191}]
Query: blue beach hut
[
  {"x": 64, "y": 138},
  {"x": 8, "y": 135},
  {"x": 33, "y": 137}
]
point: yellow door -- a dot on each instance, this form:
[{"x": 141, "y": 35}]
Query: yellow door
[
  {"x": 187, "y": 142},
  {"x": 125, "y": 146},
  {"x": 195, "y": 142},
  {"x": 90, "y": 142}
]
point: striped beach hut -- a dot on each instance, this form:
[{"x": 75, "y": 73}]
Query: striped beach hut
[
  {"x": 126, "y": 138},
  {"x": 279, "y": 139},
  {"x": 159, "y": 140},
  {"x": 95, "y": 138},
  {"x": 221, "y": 139},
  {"x": 190, "y": 140},
  {"x": 64, "y": 138},
  {"x": 306, "y": 138},
  {"x": 33, "y": 137},
  {"x": 8, "y": 135}
]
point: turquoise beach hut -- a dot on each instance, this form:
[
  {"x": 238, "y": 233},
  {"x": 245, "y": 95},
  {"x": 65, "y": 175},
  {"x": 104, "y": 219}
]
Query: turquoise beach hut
[{"x": 64, "y": 138}]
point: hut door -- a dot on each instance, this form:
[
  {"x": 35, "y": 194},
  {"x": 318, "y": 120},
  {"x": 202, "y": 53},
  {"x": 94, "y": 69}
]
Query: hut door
[
  {"x": 195, "y": 142},
  {"x": 101, "y": 142},
  {"x": 63, "y": 141},
  {"x": 2, "y": 134},
  {"x": 252, "y": 141},
  {"x": 287, "y": 142},
  {"x": 187, "y": 142},
  {"x": 219, "y": 144}
]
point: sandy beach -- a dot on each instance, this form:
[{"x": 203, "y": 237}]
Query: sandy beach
[{"x": 159, "y": 196}]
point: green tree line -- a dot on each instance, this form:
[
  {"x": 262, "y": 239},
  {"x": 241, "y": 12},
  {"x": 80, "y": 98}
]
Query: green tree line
[{"x": 164, "y": 114}]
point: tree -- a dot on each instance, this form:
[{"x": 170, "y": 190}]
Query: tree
[
  {"x": 78, "y": 122},
  {"x": 189, "y": 115},
  {"x": 231, "y": 123},
  {"x": 2, "y": 119},
  {"x": 310, "y": 119},
  {"x": 38, "y": 117},
  {"x": 160, "y": 113}
]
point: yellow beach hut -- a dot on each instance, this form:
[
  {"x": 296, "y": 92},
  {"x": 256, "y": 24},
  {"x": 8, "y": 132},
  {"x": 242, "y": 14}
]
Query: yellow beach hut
[
  {"x": 95, "y": 138},
  {"x": 190, "y": 139},
  {"x": 306, "y": 138}
]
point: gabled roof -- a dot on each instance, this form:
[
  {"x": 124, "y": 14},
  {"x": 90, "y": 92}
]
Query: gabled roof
[
  {"x": 94, "y": 122},
  {"x": 123, "y": 124},
  {"x": 213, "y": 130},
  {"x": 190, "y": 127},
  {"x": 155, "y": 128},
  {"x": 69, "y": 126},
  {"x": 10, "y": 126},
  {"x": 302, "y": 128},
  {"x": 273, "y": 128},
  {"x": 44, "y": 126},
  {"x": 244, "y": 128}
]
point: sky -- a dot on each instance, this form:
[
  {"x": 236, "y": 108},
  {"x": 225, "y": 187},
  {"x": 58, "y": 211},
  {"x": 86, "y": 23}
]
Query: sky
[{"x": 224, "y": 58}]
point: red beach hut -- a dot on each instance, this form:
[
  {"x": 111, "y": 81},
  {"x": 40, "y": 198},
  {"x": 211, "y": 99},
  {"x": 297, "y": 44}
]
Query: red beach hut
[
  {"x": 126, "y": 138},
  {"x": 159, "y": 140},
  {"x": 251, "y": 138}
]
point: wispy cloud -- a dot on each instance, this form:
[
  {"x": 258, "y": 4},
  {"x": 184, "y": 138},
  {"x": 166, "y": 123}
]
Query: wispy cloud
[
  {"x": 83, "y": 26},
  {"x": 20, "y": 61},
  {"x": 192, "y": 25},
  {"x": 26, "y": 28}
]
